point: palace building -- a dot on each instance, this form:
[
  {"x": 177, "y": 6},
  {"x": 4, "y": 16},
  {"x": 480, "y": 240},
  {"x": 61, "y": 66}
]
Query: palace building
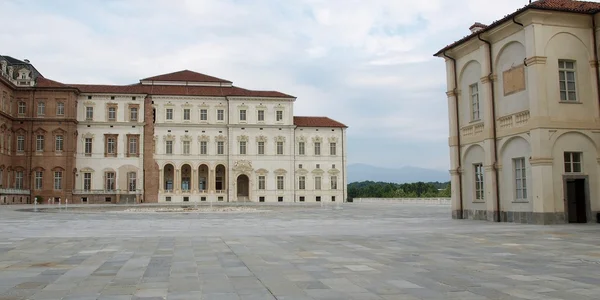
[
  {"x": 177, "y": 137},
  {"x": 524, "y": 111}
]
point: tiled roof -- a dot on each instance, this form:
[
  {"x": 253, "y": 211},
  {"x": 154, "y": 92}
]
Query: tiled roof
[
  {"x": 582, "y": 7},
  {"x": 111, "y": 89},
  {"x": 42, "y": 82},
  {"x": 317, "y": 122},
  {"x": 185, "y": 75}
]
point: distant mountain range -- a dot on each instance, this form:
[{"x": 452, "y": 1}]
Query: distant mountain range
[{"x": 363, "y": 172}]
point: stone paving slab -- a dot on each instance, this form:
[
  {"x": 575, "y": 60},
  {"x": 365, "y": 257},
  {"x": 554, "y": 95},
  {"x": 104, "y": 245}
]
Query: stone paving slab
[{"x": 348, "y": 251}]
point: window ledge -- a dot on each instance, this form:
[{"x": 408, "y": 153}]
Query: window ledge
[
  {"x": 570, "y": 102},
  {"x": 476, "y": 121},
  {"x": 479, "y": 201},
  {"x": 520, "y": 201}
]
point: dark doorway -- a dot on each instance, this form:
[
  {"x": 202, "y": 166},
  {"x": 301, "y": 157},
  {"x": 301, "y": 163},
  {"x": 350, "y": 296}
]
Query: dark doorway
[
  {"x": 576, "y": 204},
  {"x": 243, "y": 186}
]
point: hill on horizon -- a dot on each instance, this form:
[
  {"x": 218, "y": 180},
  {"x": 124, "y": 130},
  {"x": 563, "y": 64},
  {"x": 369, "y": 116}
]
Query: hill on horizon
[{"x": 407, "y": 174}]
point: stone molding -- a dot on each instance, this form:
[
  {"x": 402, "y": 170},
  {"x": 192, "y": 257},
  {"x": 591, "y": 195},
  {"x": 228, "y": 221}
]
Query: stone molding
[{"x": 534, "y": 60}]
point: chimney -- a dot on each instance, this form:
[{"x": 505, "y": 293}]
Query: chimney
[{"x": 477, "y": 27}]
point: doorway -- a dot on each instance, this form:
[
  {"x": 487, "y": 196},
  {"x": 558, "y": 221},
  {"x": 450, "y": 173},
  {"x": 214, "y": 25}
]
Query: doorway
[
  {"x": 243, "y": 187},
  {"x": 576, "y": 203}
]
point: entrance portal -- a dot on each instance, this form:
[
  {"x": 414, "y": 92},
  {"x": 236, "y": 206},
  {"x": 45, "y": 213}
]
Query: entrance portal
[
  {"x": 243, "y": 187},
  {"x": 576, "y": 202}
]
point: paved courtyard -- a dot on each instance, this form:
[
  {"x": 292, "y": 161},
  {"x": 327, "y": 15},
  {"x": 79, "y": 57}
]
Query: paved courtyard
[{"x": 356, "y": 251}]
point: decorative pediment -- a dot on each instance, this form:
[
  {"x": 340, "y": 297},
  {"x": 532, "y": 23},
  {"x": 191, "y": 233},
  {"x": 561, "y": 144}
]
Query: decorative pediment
[
  {"x": 261, "y": 138},
  {"x": 333, "y": 171},
  {"x": 242, "y": 138},
  {"x": 169, "y": 104},
  {"x": 112, "y": 104},
  {"x": 317, "y": 139},
  {"x": 87, "y": 135},
  {"x": 332, "y": 139},
  {"x": 186, "y": 137},
  {"x": 221, "y": 138},
  {"x": 38, "y": 169},
  {"x": 262, "y": 171},
  {"x": 169, "y": 137},
  {"x": 89, "y": 103},
  {"x": 203, "y": 105},
  {"x": 20, "y": 131},
  {"x": 58, "y": 131},
  {"x": 57, "y": 169},
  {"x": 317, "y": 172},
  {"x": 86, "y": 170},
  {"x": 261, "y": 106},
  {"x": 242, "y": 106},
  {"x": 302, "y": 171},
  {"x": 280, "y": 138},
  {"x": 242, "y": 166},
  {"x": 203, "y": 138},
  {"x": 220, "y": 105},
  {"x": 301, "y": 138},
  {"x": 187, "y": 105},
  {"x": 280, "y": 172}
]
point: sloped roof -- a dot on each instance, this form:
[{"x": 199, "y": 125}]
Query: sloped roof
[
  {"x": 111, "y": 89},
  {"x": 317, "y": 122},
  {"x": 185, "y": 75},
  {"x": 571, "y": 6},
  {"x": 47, "y": 83}
]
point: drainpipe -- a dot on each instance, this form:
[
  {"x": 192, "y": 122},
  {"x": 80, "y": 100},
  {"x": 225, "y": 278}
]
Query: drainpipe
[
  {"x": 596, "y": 56},
  {"x": 494, "y": 131},
  {"x": 344, "y": 182},
  {"x": 459, "y": 163}
]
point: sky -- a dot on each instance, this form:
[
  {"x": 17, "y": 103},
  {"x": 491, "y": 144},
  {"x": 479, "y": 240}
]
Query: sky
[{"x": 365, "y": 63}]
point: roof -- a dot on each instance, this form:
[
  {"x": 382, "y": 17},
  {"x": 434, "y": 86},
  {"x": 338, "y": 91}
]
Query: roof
[
  {"x": 47, "y": 83},
  {"x": 185, "y": 75},
  {"x": 581, "y": 7},
  {"x": 317, "y": 122},
  {"x": 13, "y": 61}
]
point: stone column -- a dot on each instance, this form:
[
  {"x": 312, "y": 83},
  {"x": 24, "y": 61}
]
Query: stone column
[
  {"x": 177, "y": 181},
  {"x": 161, "y": 184},
  {"x": 194, "y": 179},
  {"x": 210, "y": 181},
  {"x": 453, "y": 141},
  {"x": 542, "y": 184}
]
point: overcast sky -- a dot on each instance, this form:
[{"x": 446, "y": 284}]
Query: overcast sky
[{"x": 365, "y": 63}]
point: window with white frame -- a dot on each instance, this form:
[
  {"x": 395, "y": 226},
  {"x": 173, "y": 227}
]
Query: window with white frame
[
  {"x": 87, "y": 181},
  {"x": 58, "y": 180},
  {"x": 279, "y": 148},
  {"x": 112, "y": 113},
  {"x": 39, "y": 180},
  {"x": 279, "y": 115},
  {"x": 132, "y": 181},
  {"x": 20, "y": 143},
  {"x": 220, "y": 114},
  {"x": 60, "y": 109},
  {"x": 169, "y": 114},
  {"x": 21, "y": 108},
  {"x": 88, "y": 147},
  {"x": 19, "y": 180},
  {"x": 203, "y": 147},
  {"x": 39, "y": 143},
  {"x": 242, "y": 147},
  {"x": 133, "y": 145},
  {"x": 567, "y": 81},
  {"x": 301, "y": 148},
  {"x": 220, "y": 147},
  {"x": 261, "y": 182},
  {"x": 203, "y": 115},
  {"x": 474, "y": 93},
  {"x": 41, "y": 109},
  {"x": 520, "y": 179},
  {"x": 186, "y": 114},
  {"x": 58, "y": 143},
  {"x": 333, "y": 180},
  {"x": 280, "y": 183},
  {"x": 169, "y": 147},
  {"x": 317, "y": 183},
  {"x": 186, "y": 147},
  {"x": 317, "y": 148},
  {"x": 261, "y": 115},
  {"x": 133, "y": 114},
  {"x": 479, "y": 191},
  {"x": 332, "y": 149},
  {"x": 573, "y": 162},
  {"x": 109, "y": 182},
  {"x": 261, "y": 148},
  {"x": 242, "y": 115},
  {"x": 111, "y": 146},
  {"x": 89, "y": 113},
  {"x": 301, "y": 183}
]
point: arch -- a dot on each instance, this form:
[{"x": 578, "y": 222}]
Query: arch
[
  {"x": 471, "y": 148},
  {"x": 243, "y": 187},
  {"x": 504, "y": 47},
  {"x": 185, "y": 163},
  {"x": 203, "y": 177},
  {"x": 220, "y": 177},
  {"x": 503, "y": 143},
  {"x": 169, "y": 162},
  {"x": 185, "y": 175},
  {"x": 168, "y": 177},
  {"x": 551, "y": 39},
  {"x": 589, "y": 138},
  {"x": 464, "y": 68}
]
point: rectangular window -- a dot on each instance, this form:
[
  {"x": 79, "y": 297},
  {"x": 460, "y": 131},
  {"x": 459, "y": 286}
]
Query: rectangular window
[
  {"x": 112, "y": 113},
  {"x": 242, "y": 115},
  {"x": 261, "y": 199},
  {"x": 41, "y": 109},
  {"x": 133, "y": 145},
  {"x": 203, "y": 115},
  {"x": 261, "y": 148},
  {"x": 302, "y": 198},
  {"x": 220, "y": 114},
  {"x": 261, "y": 182},
  {"x": 58, "y": 143},
  {"x": 279, "y": 199},
  {"x": 317, "y": 183},
  {"x": 479, "y": 191},
  {"x": 186, "y": 147},
  {"x": 111, "y": 146},
  {"x": 280, "y": 182},
  {"x": 318, "y": 198},
  {"x": 133, "y": 114},
  {"x": 60, "y": 109},
  {"x": 89, "y": 113},
  {"x": 21, "y": 108},
  {"x": 19, "y": 180},
  {"x": 58, "y": 180},
  {"x": 474, "y": 88},
  {"x": 334, "y": 182},
  {"x": 573, "y": 162},
  {"x": 318, "y": 166},
  {"x": 520, "y": 179},
  {"x": 186, "y": 114},
  {"x": 109, "y": 183},
  {"x": 242, "y": 147},
  {"x": 169, "y": 147},
  {"x": 301, "y": 148},
  {"x": 566, "y": 79},
  {"x": 279, "y": 148},
  {"x": 279, "y": 115},
  {"x": 20, "y": 143},
  {"x": 87, "y": 181},
  {"x": 220, "y": 148},
  {"x": 317, "y": 148},
  {"x": 132, "y": 178},
  {"x": 332, "y": 148},
  {"x": 169, "y": 115},
  {"x": 39, "y": 143},
  {"x": 261, "y": 115},
  {"x": 301, "y": 183},
  {"x": 332, "y": 198},
  {"x": 88, "y": 147},
  {"x": 39, "y": 182},
  {"x": 203, "y": 147}
]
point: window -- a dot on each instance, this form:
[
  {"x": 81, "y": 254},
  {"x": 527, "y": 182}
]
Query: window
[
  {"x": 21, "y": 108},
  {"x": 334, "y": 182},
  {"x": 261, "y": 148},
  {"x": 261, "y": 115},
  {"x": 20, "y": 143},
  {"x": 317, "y": 183},
  {"x": 203, "y": 147},
  {"x": 133, "y": 145},
  {"x": 279, "y": 115},
  {"x": 169, "y": 147},
  {"x": 186, "y": 147},
  {"x": 333, "y": 166},
  {"x": 299, "y": 166},
  {"x": 58, "y": 143},
  {"x": 220, "y": 148},
  {"x": 302, "y": 183},
  {"x": 131, "y": 181},
  {"x": 566, "y": 79},
  {"x": 111, "y": 146},
  {"x": 58, "y": 180},
  {"x": 261, "y": 199},
  {"x": 479, "y": 191},
  {"x": 169, "y": 115},
  {"x": 301, "y": 148},
  {"x": 60, "y": 109},
  {"x": 573, "y": 162},
  {"x": 301, "y": 198},
  {"x": 520, "y": 178},
  {"x": 109, "y": 183},
  {"x": 203, "y": 115},
  {"x": 168, "y": 199},
  {"x": 280, "y": 182},
  {"x": 39, "y": 143},
  {"x": 220, "y": 114},
  {"x": 19, "y": 180},
  {"x": 318, "y": 198},
  {"x": 88, "y": 147},
  {"x": 87, "y": 181},
  {"x": 332, "y": 198},
  {"x": 279, "y": 199},
  {"x": 261, "y": 182},
  {"x": 242, "y": 115},
  {"x": 317, "y": 148},
  {"x": 332, "y": 149},
  {"x": 38, "y": 180},
  {"x": 474, "y": 88},
  {"x": 89, "y": 113},
  {"x": 133, "y": 114},
  {"x": 279, "y": 148},
  {"x": 186, "y": 114},
  {"x": 242, "y": 147},
  {"x": 41, "y": 109},
  {"x": 112, "y": 113}
]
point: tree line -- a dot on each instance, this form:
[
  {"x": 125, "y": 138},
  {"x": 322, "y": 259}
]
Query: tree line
[{"x": 371, "y": 189}]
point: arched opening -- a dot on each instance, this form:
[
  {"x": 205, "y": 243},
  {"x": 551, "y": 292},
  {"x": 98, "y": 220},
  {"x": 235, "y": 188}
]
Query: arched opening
[
  {"x": 186, "y": 174},
  {"x": 243, "y": 187},
  {"x": 168, "y": 175},
  {"x": 220, "y": 178},
  {"x": 203, "y": 178}
]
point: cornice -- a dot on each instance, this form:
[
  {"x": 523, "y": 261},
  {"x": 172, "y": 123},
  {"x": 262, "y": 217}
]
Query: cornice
[
  {"x": 534, "y": 60},
  {"x": 541, "y": 161}
]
